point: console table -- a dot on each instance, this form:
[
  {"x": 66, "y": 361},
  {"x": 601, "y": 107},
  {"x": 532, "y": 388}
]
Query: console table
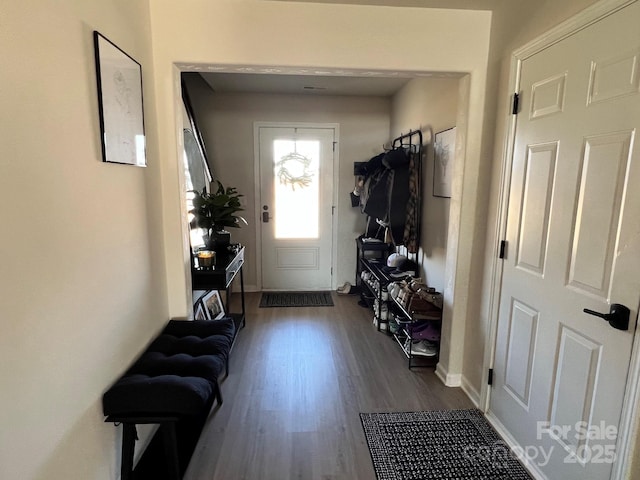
[{"x": 220, "y": 277}]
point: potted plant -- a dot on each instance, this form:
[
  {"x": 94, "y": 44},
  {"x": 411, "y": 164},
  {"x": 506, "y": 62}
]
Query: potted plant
[{"x": 215, "y": 211}]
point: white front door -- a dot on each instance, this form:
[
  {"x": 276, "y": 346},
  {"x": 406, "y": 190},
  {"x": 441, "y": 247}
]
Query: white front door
[
  {"x": 296, "y": 202},
  {"x": 573, "y": 233}
]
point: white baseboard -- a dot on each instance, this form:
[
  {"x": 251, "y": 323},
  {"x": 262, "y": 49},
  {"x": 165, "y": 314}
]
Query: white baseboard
[
  {"x": 471, "y": 392},
  {"x": 458, "y": 380},
  {"x": 449, "y": 379}
]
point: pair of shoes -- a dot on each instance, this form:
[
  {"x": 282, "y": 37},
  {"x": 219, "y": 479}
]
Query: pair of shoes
[
  {"x": 381, "y": 309},
  {"x": 424, "y": 348},
  {"x": 383, "y": 325},
  {"x": 344, "y": 289}
]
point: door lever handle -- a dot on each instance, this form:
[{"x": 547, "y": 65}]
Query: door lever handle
[{"x": 618, "y": 316}]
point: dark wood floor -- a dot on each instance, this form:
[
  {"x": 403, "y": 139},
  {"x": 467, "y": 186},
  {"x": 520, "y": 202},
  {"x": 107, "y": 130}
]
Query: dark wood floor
[{"x": 299, "y": 378}]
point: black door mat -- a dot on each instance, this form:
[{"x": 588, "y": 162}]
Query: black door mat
[
  {"x": 296, "y": 299},
  {"x": 448, "y": 444}
]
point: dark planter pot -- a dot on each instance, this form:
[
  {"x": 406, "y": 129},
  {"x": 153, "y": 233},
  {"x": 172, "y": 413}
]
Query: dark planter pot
[{"x": 219, "y": 241}]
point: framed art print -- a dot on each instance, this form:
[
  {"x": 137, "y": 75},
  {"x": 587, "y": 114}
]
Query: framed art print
[
  {"x": 444, "y": 156},
  {"x": 212, "y": 303},
  {"x": 119, "y": 79},
  {"x": 199, "y": 313}
]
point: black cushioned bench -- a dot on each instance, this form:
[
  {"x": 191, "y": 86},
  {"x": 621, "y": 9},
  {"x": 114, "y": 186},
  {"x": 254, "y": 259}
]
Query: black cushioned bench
[{"x": 173, "y": 383}]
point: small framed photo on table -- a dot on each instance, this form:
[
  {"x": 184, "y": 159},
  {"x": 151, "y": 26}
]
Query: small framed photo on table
[
  {"x": 199, "y": 313},
  {"x": 212, "y": 304}
]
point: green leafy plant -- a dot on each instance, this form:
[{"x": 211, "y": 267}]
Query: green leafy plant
[{"x": 217, "y": 210}]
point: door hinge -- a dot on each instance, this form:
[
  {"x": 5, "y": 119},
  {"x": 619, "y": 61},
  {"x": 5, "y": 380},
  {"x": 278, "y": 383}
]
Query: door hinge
[
  {"x": 334, "y": 146},
  {"x": 515, "y": 107},
  {"x": 503, "y": 249},
  {"x": 333, "y": 210},
  {"x": 490, "y": 377}
]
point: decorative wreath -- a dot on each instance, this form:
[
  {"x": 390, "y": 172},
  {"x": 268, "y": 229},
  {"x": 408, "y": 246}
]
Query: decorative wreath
[{"x": 287, "y": 178}]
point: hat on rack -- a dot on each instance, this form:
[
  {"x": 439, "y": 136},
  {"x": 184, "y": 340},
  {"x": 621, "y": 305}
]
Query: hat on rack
[
  {"x": 395, "y": 260},
  {"x": 399, "y": 266}
]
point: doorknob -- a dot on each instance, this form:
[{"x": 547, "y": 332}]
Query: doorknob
[
  {"x": 618, "y": 316},
  {"x": 265, "y": 214}
]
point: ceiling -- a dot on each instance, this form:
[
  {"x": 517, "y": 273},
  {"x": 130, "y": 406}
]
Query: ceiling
[{"x": 348, "y": 83}]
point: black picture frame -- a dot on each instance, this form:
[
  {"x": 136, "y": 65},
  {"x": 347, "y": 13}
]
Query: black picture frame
[
  {"x": 199, "y": 311},
  {"x": 120, "y": 104},
  {"x": 443, "y": 159},
  {"x": 212, "y": 304}
]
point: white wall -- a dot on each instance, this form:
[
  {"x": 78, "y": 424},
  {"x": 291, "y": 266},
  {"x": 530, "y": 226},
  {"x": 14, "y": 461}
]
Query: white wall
[
  {"x": 226, "y": 121},
  {"x": 430, "y": 105},
  {"x": 82, "y": 276}
]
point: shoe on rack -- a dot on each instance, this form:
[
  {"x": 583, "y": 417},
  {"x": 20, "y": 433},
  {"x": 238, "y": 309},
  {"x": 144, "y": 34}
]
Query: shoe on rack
[
  {"x": 393, "y": 325},
  {"x": 424, "y": 348},
  {"x": 425, "y": 331},
  {"x": 383, "y": 325}
]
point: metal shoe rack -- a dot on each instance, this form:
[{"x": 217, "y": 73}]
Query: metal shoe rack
[
  {"x": 407, "y": 321},
  {"x": 376, "y": 286}
]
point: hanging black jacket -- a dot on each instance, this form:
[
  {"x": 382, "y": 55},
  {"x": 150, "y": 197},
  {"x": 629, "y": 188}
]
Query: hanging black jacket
[
  {"x": 386, "y": 191},
  {"x": 398, "y": 162}
]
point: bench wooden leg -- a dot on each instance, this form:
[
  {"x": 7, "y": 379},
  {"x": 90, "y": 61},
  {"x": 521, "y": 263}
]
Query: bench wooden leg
[
  {"x": 171, "y": 449},
  {"x": 129, "y": 436}
]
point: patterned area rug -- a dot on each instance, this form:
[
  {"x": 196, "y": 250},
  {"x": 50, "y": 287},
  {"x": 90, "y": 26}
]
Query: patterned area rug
[
  {"x": 452, "y": 444},
  {"x": 296, "y": 299}
]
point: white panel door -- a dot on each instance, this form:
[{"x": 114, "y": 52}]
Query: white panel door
[
  {"x": 296, "y": 195},
  {"x": 573, "y": 234}
]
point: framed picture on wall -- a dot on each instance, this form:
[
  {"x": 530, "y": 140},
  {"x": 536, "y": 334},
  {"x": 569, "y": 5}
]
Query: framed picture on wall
[
  {"x": 119, "y": 79},
  {"x": 444, "y": 156},
  {"x": 212, "y": 304}
]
